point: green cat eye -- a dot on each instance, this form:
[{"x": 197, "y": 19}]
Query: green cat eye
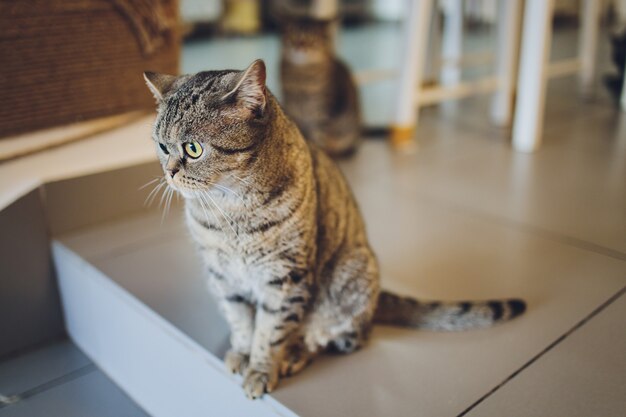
[{"x": 193, "y": 149}]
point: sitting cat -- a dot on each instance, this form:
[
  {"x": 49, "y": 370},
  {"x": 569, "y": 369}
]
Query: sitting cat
[
  {"x": 281, "y": 236},
  {"x": 319, "y": 93}
]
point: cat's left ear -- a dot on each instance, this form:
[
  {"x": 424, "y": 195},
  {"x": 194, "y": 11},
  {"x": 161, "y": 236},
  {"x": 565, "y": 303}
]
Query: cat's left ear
[
  {"x": 249, "y": 90},
  {"x": 159, "y": 84}
]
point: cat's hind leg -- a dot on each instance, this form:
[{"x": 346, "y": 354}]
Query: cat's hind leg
[{"x": 342, "y": 318}]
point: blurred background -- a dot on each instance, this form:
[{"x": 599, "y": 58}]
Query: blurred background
[
  {"x": 370, "y": 40},
  {"x": 78, "y": 60}
]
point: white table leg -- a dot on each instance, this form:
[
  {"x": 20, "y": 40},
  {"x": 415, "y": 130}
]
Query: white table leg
[
  {"x": 508, "y": 28},
  {"x": 432, "y": 68},
  {"x": 411, "y": 70},
  {"x": 588, "y": 40},
  {"x": 531, "y": 84},
  {"x": 452, "y": 42}
]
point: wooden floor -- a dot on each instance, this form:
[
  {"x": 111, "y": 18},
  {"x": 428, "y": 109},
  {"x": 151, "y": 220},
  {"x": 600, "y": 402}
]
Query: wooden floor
[{"x": 465, "y": 217}]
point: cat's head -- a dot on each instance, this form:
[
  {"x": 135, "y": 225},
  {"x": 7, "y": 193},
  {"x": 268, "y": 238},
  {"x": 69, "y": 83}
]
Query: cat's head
[
  {"x": 307, "y": 36},
  {"x": 209, "y": 125}
]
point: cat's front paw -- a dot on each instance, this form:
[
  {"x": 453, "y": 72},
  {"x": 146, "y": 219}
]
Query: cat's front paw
[
  {"x": 256, "y": 383},
  {"x": 236, "y": 362}
]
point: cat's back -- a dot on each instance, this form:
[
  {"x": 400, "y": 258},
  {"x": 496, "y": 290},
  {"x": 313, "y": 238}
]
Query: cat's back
[{"x": 339, "y": 219}]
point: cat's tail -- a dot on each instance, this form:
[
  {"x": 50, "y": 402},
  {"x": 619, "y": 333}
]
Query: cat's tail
[{"x": 396, "y": 310}]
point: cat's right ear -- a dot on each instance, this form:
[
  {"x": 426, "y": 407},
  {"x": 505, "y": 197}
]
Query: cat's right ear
[
  {"x": 249, "y": 90},
  {"x": 159, "y": 84}
]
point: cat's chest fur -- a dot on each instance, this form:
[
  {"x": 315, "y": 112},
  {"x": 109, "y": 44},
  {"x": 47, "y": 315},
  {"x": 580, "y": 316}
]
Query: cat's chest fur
[{"x": 239, "y": 261}]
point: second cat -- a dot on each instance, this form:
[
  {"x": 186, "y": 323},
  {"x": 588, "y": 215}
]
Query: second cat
[{"x": 319, "y": 93}]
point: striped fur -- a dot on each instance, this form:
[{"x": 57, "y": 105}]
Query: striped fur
[
  {"x": 282, "y": 239},
  {"x": 319, "y": 93},
  {"x": 451, "y": 316}
]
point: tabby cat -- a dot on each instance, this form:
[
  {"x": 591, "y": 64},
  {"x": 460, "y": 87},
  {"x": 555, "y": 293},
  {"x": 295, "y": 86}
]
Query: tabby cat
[
  {"x": 319, "y": 93},
  {"x": 283, "y": 241}
]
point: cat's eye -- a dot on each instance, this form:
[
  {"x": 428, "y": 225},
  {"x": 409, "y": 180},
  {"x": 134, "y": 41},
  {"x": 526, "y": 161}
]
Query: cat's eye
[
  {"x": 164, "y": 149},
  {"x": 193, "y": 149}
]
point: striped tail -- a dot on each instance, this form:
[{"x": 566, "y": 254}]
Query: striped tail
[{"x": 395, "y": 310}]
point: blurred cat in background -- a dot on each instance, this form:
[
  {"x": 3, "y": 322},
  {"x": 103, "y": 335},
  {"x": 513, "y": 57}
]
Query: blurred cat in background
[{"x": 319, "y": 93}]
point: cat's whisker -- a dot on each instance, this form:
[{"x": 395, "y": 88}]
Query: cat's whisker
[
  {"x": 228, "y": 219},
  {"x": 152, "y": 181},
  {"x": 155, "y": 191},
  {"x": 206, "y": 215},
  {"x": 211, "y": 203},
  {"x": 202, "y": 203},
  {"x": 245, "y": 182},
  {"x": 224, "y": 188},
  {"x": 168, "y": 201},
  {"x": 162, "y": 203},
  {"x": 163, "y": 197}
]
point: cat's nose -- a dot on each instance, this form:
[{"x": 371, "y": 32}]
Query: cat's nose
[{"x": 172, "y": 172}]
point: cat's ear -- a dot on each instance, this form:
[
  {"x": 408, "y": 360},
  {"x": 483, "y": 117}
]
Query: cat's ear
[
  {"x": 159, "y": 84},
  {"x": 249, "y": 90}
]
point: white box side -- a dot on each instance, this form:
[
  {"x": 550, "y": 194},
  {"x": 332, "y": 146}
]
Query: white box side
[{"x": 162, "y": 369}]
